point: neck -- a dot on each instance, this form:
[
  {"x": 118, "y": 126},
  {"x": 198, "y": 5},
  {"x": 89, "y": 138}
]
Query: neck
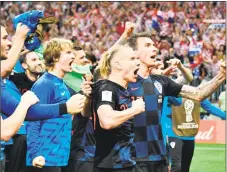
[
  {"x": 117, "y": 78},
  {"x": 32, "y": 76},
  {"x": 57, "y": 72},
  {"x": 144, "y": 71}
]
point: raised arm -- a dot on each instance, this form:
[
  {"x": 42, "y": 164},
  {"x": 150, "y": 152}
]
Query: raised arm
[
  {"x": 202, "y": 92},
  {"x": 11, "y": 125},
  {"x": 186, "y": 73},
  {"x": 14, "y": 53},
  {"x": 129, "y": 28}
]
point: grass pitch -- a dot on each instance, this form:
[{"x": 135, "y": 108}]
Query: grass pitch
[{"x": 209, "y": 158}]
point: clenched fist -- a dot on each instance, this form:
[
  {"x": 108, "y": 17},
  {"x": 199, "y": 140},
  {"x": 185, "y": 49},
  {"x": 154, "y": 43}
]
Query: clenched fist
[
  {"x": 39, "y": 162},
  {"x": 138, "y": 106},
  {"x": 29, "y": 98},
  {"x": 75, "y": 104},
  {"x": 86, "y": 88},
  {"x": 129, "y": 28},
  {"x": 174, "y": 62},
  {"x": 21, "y": 31}
]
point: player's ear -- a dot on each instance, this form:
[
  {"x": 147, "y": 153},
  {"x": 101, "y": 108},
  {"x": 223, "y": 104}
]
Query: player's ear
[
  {"x": 24, "y": 66},
  {"x": 118, "y": 66}
]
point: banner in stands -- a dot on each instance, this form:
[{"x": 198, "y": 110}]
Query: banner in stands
[
  {"x": 214, "y": 21},
  {"x": 211, "y": 131}
]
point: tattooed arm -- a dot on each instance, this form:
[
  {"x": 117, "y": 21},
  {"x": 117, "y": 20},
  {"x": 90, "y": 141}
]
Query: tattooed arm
[{"x": 201, "y": 93}]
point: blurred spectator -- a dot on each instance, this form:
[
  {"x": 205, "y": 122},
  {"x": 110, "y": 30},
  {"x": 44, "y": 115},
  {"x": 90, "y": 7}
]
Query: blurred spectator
[
  {"x": 213, "y": 64},
  {"x": 179, "y": 29},
  {"x": 97, "y": 21},
  {"x": 91, "y": 59},
  {"x": 221, "y": 100}
]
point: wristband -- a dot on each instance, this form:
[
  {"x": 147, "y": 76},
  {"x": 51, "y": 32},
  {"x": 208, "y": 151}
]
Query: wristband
[{"x": 63, "y": 109}]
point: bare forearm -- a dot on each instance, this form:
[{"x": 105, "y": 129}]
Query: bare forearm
[
  {"x": 181, "y": 80},
  {"x": 86, "y": 112},
  {"x": 201, "y": 93},
  {"x": 13, "y": 55},
  {"x": 129, "y": 28},
  {"x": 121, "y": 41},
  {"x": 12, "y": 124},
  {"x": 187, "y": 74},
  {"x": 110, "y": 118}
]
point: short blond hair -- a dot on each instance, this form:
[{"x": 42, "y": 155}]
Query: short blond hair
[
  {"x": 53, "y": 48},
  {"x": 106, "y": 58}
]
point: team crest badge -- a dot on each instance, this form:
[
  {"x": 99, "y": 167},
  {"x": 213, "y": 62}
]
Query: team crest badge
[{"x": 172, "y": 144}]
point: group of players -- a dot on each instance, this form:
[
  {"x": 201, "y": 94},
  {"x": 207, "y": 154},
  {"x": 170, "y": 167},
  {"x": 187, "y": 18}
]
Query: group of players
[{"x": 116, "y": 124}]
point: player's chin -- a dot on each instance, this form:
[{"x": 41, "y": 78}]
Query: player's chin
[
  {"x": 39, "y": 69},
  {"x": 133, "y": 78},
  {"x": 3, "y": 56},
  {"x": 151, "y": 64},
  {"x": 69, "y": 69}
]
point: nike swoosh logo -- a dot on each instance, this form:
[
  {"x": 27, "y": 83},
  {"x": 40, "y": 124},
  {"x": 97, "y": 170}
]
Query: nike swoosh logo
[
  {"x": 63, "y": 93},
  {"x": 134, "y": 88}
]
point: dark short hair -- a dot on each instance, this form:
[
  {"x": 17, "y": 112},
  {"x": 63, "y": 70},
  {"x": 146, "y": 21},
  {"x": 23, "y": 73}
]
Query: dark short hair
[
  {"x": 132, "y": 41},
  {"x": 91, "y": 57},
  {"x": 23, "y": 58}
]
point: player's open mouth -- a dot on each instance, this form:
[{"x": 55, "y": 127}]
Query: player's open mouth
[
  {"x": 136, "y": 71},
  {"x": 153, "y": 57},
  {"x": 70, "y": 64}
]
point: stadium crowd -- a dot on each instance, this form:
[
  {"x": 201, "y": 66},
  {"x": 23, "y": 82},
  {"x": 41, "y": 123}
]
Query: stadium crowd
[
  {"x": 183, "y": 35},
  {"x": 174, "y": 26}
]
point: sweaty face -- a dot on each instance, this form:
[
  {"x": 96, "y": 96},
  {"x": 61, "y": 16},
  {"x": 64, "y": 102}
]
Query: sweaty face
[
  {"x": 33, "y": 63},
  {"x": 146, "y": 51},
  {"x": 129, "y": 64},
  {"x": 80, "y": 58},
  {"x": 66, "y": 60},
  {"x": 5, "y": 43}
]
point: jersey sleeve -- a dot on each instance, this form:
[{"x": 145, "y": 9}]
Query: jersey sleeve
[
  {"x": 9, "y": 105},
  {"x": 43, "y": 91},
  {"x": 106, "y": 96},
  {"x": 210, "y": 108},
  {"x": 175, "y": 101},
  {"x": 171, "y": 88}
]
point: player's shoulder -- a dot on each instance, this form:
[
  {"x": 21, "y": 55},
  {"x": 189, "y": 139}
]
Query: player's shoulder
[
  {"x": 15, "y": 77},
  {"x": 104, "y": 85},
  {"x": 160, "y": 78},
  {"x": 43, "y": 82}
]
